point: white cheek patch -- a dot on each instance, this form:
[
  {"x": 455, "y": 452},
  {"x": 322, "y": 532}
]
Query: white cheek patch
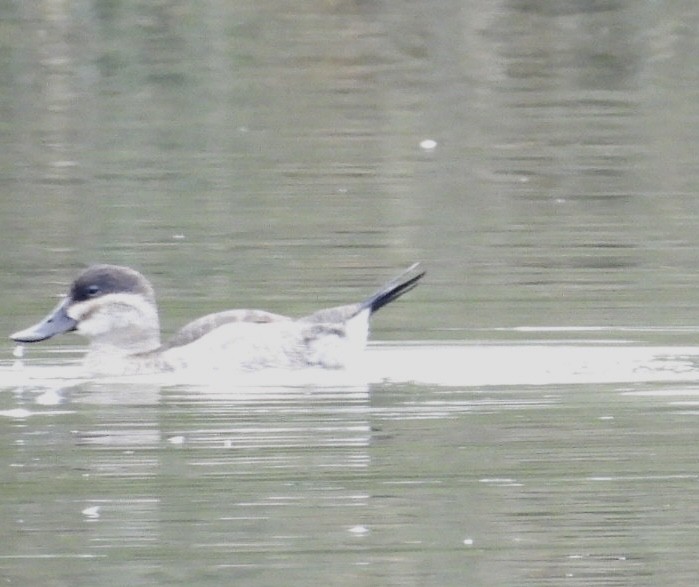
[
  {"x": 91, "y": 316},
  {"x": 108, "y": 313},
  {"x": 94, "y": 324},
  {"x": 79, "y": 310}
]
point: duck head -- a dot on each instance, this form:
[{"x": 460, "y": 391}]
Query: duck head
[{"x": 113, "y": 306}]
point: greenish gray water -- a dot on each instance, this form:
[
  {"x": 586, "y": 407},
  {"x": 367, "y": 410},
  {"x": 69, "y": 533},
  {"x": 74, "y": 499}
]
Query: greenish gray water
[{"x": 262, "y": 154}]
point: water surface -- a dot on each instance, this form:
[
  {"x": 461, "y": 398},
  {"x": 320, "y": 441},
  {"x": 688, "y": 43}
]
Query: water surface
[{"x": 527, "y": 416}]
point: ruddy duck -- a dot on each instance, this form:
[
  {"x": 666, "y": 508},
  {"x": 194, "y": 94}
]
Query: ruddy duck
[{"x": 115, "y": 308}]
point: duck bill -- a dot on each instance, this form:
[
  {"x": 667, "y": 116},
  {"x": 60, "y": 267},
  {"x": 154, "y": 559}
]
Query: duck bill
[{"x": 57, "y": 322}]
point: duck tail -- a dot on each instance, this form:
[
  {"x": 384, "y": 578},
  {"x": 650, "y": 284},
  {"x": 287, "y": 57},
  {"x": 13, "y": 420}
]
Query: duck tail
[{"x": 395, "y": 288}]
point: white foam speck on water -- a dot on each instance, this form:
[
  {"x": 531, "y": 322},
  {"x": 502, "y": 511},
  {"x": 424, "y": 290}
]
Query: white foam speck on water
[
  {"x": 16, "y": 413},
  {"x": 52, "y": 397},
  {"x": 92, "y": 512}
]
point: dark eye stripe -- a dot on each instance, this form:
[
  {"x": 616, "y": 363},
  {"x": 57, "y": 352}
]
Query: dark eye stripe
[{"x": 84, "y": 292}]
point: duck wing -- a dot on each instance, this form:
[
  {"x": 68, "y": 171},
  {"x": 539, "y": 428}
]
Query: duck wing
[
  {"x": 330, "y": 321},
  {"x": 202, "y": 326}
]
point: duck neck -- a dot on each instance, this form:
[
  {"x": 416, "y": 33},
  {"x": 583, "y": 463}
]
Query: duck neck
[{"x": 129, "y": 339}]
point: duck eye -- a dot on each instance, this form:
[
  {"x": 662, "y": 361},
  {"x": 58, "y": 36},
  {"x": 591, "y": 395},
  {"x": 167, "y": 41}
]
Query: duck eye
[{"x": 93, "y": 290}]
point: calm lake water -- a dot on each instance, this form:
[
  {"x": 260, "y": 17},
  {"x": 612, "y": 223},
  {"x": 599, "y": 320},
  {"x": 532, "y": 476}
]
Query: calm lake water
[{"x": 528, "y": 416}]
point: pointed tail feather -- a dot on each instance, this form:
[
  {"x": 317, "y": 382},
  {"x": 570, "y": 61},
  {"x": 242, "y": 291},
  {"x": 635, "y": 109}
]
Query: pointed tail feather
[
  {"x": 395, "y": 288},
  {"x": 389, "y": 292}
]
